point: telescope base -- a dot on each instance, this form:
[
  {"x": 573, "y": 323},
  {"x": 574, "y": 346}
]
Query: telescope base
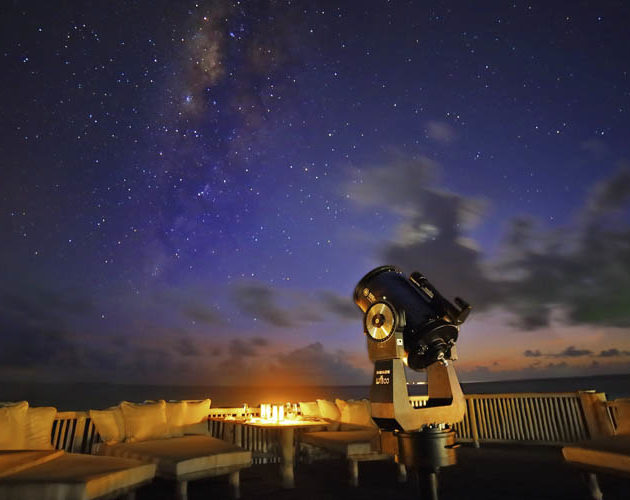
[{"x": 426, "y": 451}]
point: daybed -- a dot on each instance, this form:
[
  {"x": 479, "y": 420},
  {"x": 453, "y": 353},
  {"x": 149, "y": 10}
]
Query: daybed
[
  {"x": 609, "y": 454},
  {"x": 175, "y": 437},
  {"x": 31, "y": 469},
  {"x": 350, "y": 434}
]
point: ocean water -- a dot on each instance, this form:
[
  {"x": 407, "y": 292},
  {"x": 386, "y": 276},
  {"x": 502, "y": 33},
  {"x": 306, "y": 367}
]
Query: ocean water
[{"x": 83, "y": 396}]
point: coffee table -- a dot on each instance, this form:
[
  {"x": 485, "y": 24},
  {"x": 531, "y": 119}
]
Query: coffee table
[{"x": 287, "y": 440}]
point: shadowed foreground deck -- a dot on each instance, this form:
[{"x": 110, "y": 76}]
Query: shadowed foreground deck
[{"x": 488, "y": 473}]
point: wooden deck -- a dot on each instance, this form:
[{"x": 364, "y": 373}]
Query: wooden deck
[{"x": 489, "y": 473}]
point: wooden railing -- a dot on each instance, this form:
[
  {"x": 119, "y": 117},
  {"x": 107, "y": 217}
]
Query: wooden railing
[
  {"x": 539, "y": 418},
  {"x": 528, "y": 418},
  {"x": 73, "y": 431}
]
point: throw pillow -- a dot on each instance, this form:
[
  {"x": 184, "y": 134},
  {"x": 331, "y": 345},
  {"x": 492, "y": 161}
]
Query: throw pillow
[
  {"x": 110, "y": 424},
  {"x": 328, "y": 409},
  {"x": 39, "y": 424},
  {"x": 196, "y": 411},
  {"x": 309, "y": 409},
  {"x": 358, "y": 413},
  {"x": 341, "y": 404},
  {"x": 13, "y": 426},
  {"x": 623, "y": 417},
  {"x": 176, "y": 417},
  {"x": 144, "y": 421}
]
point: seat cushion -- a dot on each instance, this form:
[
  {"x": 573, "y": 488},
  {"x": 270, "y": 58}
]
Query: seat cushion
[
  {"x": 346, "y": 443},
  {"x": 607, "y": 453},
  {"x": 76, "y": 477},
  {"x": 180, "y": 456}
]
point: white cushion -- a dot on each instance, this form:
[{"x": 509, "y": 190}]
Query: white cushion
[
  {"x": 328, "y": 409},
  {"x": 75, "y": 477},
  {"x": 144, "y": 421},
  {"x": 196, "y": 411},
  {"x": 358, "y": 413},
  {"x": 39, "y": 423},
  {"x": 109, "y": 424},
  {"x": 176, "y": 457},
  {"x": 309, "y": 409},
  {"x": 606, "y": 453},
  {"x": 175, "y": 418},
  {"x": 13, "y": 426}
]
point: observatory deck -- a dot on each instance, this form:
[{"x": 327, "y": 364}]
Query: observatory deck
[{"x": 491, "y": 472}]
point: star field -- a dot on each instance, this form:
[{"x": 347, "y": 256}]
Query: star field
[{"x": 181, "y": 180}]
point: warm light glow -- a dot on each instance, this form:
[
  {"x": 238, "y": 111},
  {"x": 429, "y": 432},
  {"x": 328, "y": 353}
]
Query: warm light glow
[{"x": 275, "y": 414}]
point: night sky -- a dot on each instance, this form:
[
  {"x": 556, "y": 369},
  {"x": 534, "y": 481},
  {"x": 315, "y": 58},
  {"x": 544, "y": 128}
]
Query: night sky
[{"x": 190, "y": 191}]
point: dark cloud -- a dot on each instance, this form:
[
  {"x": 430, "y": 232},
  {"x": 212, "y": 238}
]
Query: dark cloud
[
  {"x": 313, "y": 365},
  {"x": 582, "y": 270},
  {"x": 34, "y": 331},
  {"x": 431, "y": 237},
  {"x": 532, "y": 354},
  {"x": 239, "y": 348},
  {"x": 260, "y": 301},
  {"x": 286, "y": 309},
  {"x": 572, "y": 352},
  {"x": 203, "y": 314},
  {"x": 39, "y": 304},
  {"x": 342, "y": 306},
  {"x": 186, "y": 347},
  {"x": 569, "y": 352},
  {"x": 613, "y": 353},
  {"x": 260, "y": 341},
  {"x": 612, "y": 193}
]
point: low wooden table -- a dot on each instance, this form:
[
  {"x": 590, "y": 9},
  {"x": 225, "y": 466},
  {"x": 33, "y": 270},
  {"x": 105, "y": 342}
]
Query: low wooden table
[{"x": 287, "y": 440}]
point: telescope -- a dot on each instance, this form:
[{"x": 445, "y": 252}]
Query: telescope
[{"x": 408, "y": 322}]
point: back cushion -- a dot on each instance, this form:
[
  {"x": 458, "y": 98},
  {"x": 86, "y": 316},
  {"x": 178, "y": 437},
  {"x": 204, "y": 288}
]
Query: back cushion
[
  {"x": 39, "y": 423},
  {"x": 13, "y": 426},
  {"x": 341, "y": 404},
  {"x": 328, "y": 409},
  {"x": 144, "y": 421},
  {"x": 196, "y": 411},
  {"x": 109, "y": 424},
  {"x": 358, "y": 413},
  {"x": 176, "y": 417},
  {"x": 623, "y": 417},
  {"x": 196, "y": 417},
  {"x": 309, "y": 409}
]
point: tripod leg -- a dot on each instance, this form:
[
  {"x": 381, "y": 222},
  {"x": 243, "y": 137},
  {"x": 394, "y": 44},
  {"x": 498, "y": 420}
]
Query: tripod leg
[{"x": 428, "y": 484}]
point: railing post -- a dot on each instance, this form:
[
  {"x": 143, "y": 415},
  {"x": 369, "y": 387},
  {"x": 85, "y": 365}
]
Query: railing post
[
  {"x": 595, "y": 413},
  {"x": 77, "y": 442},
  {"x": 472, "y": 415}
]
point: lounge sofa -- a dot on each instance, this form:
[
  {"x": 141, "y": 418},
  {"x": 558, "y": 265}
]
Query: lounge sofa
[
  {"x": 609, "y": 455},
  {"x": 175, "y": 437},
  {"x": 350, "y": 434},
  {"x": 30, "y": 468}
]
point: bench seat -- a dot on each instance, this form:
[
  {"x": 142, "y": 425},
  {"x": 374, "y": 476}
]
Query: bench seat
[
  {"x": 187, "y": 458},
  {"x": 610, "y": 453},
  {"x": 346, "y": 443},
  {"x": 74, "y": 477}
]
